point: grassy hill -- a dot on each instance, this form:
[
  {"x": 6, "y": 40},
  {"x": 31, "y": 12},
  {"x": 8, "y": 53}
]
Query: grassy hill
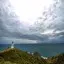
[
  {"x": 58, "y": 59},
  {"x": 16, "y": 56}
]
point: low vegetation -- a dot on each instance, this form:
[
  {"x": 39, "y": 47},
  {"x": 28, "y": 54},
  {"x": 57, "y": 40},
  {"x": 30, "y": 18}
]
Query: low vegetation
[
  {"x": 59, "y": 59},
  {"x": 16, "y": 56}
]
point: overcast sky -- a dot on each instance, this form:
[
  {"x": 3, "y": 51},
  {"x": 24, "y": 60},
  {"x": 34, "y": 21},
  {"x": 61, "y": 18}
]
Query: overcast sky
[{"x": 32, "y": 21}]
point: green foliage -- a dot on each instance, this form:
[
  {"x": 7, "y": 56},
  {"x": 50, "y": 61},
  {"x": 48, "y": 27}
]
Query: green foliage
[
  {"x": 6, "y": 62},
  {"x": 15, "y": 56},
  {"x": 36, "y": 54},
  {"x": 59, "y": 59}
]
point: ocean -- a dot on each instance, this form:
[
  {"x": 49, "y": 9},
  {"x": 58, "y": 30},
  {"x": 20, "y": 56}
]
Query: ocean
[{"x": 46, "y": 50}]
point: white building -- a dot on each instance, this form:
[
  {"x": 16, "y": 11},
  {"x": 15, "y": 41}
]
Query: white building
[{"x": 12, "y": 45}]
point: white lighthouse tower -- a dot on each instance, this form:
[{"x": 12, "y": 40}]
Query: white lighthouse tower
[{"x": 12, "y": 45}]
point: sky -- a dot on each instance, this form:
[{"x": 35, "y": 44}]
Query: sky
[{"x": 31, "y": 21}]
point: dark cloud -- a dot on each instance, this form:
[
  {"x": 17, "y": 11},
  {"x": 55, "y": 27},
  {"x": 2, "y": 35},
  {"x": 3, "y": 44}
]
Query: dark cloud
[{"x": 10, "y": 26}]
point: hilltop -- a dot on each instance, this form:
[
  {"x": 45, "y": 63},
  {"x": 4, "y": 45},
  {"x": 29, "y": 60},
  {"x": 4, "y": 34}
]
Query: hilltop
[{"x": 16, "y": 56}]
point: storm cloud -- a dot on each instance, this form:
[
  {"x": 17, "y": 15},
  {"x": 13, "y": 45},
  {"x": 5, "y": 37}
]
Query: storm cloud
[{"x": 48, "y": 29}]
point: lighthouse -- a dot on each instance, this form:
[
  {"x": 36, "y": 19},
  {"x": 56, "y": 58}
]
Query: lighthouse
[{"x": 12, "y": 45}]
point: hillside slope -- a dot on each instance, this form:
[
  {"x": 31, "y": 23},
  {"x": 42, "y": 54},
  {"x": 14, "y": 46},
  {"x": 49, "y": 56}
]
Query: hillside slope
[
  {"x": 16, "y": 56},
  {"x": 58, "y": 59}
]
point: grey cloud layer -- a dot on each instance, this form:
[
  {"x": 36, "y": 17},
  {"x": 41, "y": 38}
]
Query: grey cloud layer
[
  {"x": 52, "y": 18},
  {"x": 10, "y": 26}
]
